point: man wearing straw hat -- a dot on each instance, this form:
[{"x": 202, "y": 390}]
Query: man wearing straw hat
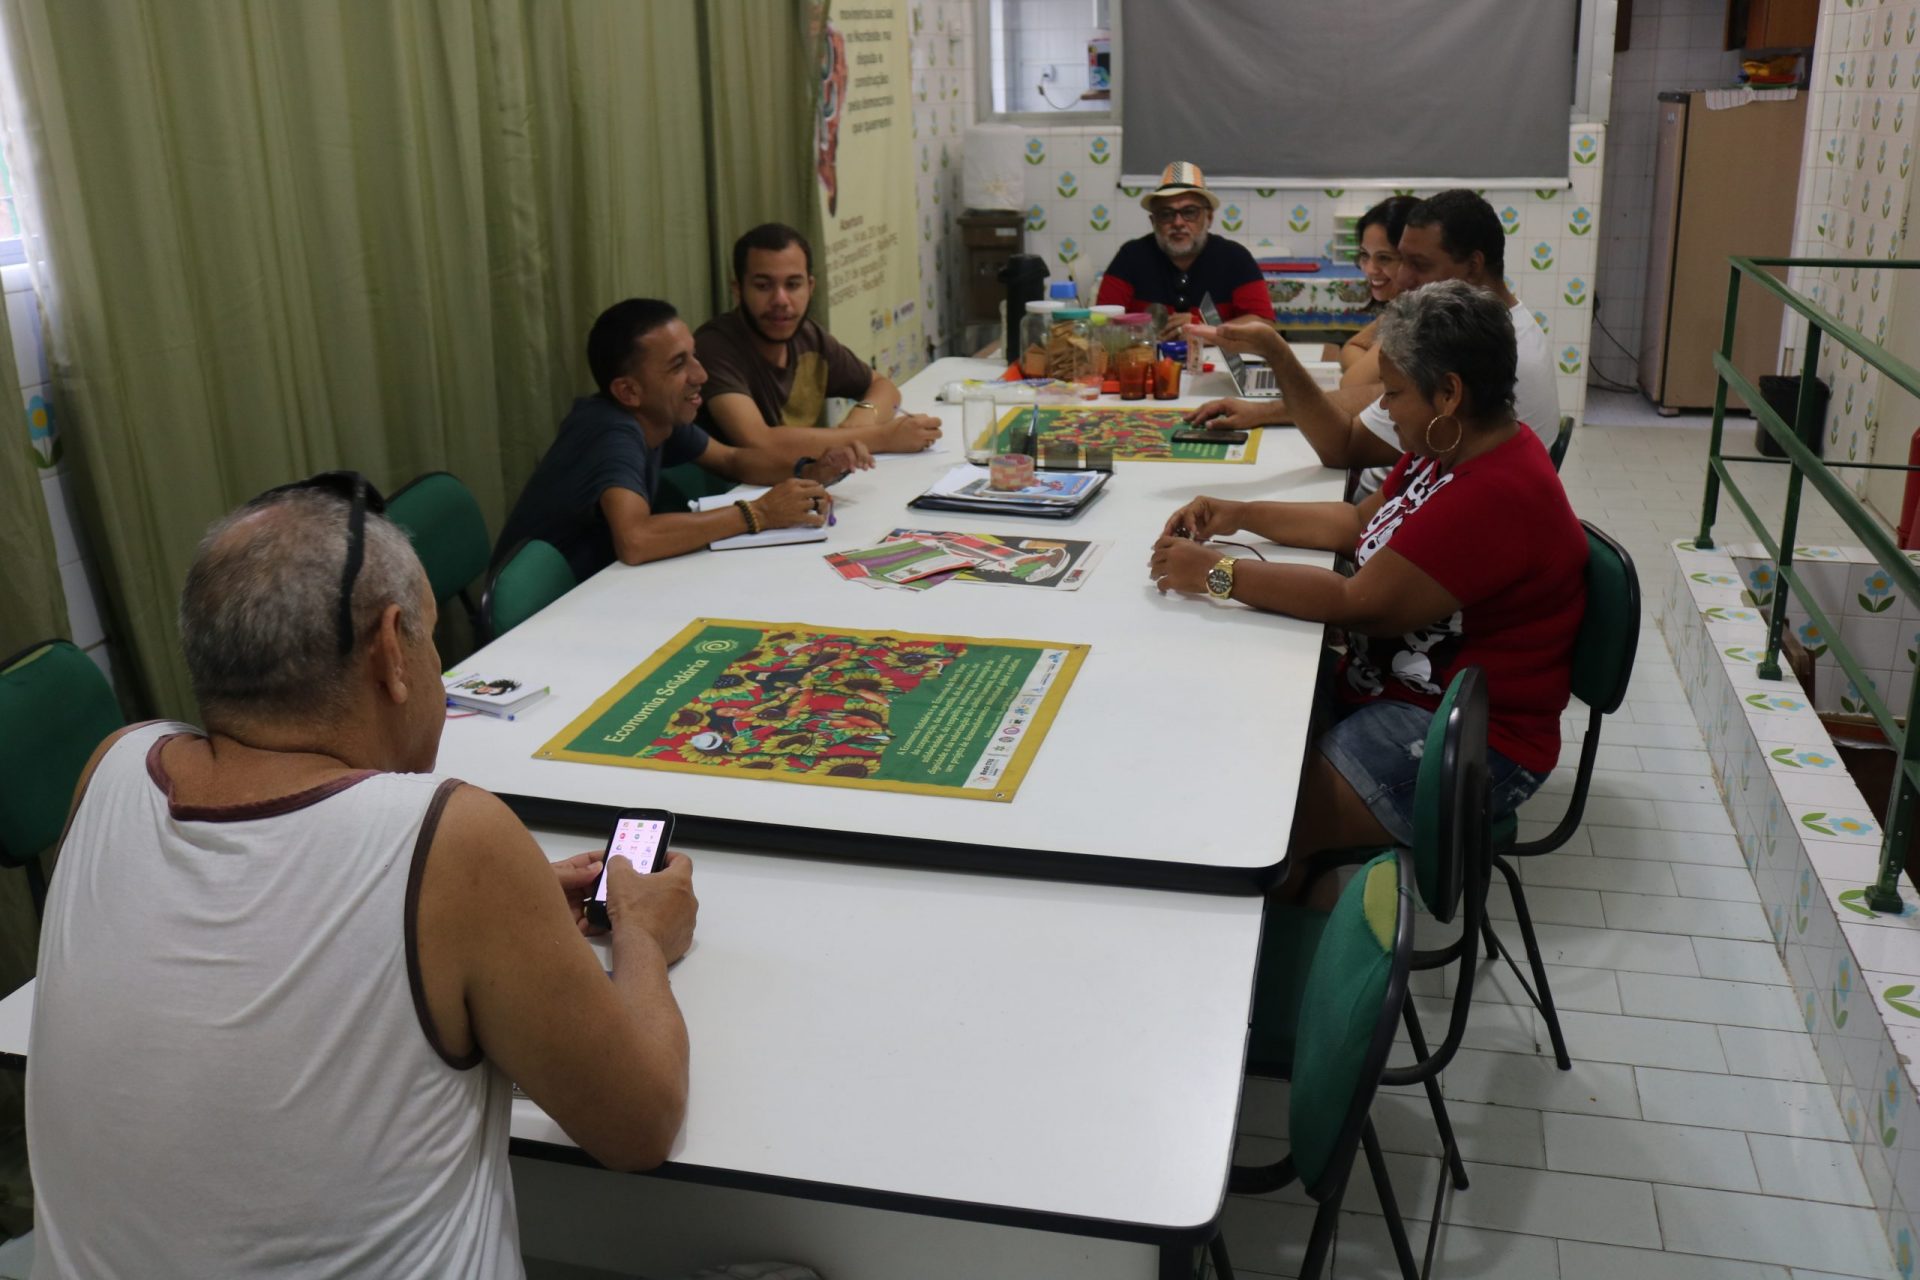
[{"x": 1179, "y": 262}]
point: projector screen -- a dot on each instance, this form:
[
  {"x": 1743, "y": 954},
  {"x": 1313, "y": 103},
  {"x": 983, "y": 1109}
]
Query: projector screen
[{"x": 1402, "y": 93}]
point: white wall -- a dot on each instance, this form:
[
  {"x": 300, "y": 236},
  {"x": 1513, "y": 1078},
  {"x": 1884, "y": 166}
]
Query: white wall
[
  {"x": 1077, "y": 217},
  {"x": 1674, "y": 44},
  {"x": 1855, "y": 189},
  {"x": 1049, "y": 34}
]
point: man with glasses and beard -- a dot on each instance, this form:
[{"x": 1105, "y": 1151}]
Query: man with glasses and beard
[
  {"x": 1179, "y": 263},
  {"x": 771, "y": 368}
]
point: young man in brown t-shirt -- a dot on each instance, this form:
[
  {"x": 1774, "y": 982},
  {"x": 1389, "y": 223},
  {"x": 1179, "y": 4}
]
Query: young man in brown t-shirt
[{"x": 770, "y": 369}]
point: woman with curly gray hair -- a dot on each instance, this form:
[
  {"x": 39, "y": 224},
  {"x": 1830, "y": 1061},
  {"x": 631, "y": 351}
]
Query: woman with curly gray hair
[{"x": 1469, "y": 555}]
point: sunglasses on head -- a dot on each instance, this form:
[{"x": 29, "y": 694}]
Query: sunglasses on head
[{"x": 361, "y": 497}]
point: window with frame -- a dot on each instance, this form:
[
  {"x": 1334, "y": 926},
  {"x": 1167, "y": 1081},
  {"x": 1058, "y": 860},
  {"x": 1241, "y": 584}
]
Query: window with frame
[{"x": 1047, "y": 61}]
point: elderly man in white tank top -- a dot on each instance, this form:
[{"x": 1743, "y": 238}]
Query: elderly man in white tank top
[{"x": 286, "y": 973}]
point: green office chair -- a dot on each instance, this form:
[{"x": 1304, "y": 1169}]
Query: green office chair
[
  {"x": 680, "y": 486},
  {"x": 1354, "y": 991},
  {"x": 55, "y": 708},
  {"x": 1558, "y": 449},
  {"x": 532, "y": 577},
  {"x": 1452, "y": 868},
  {"x": 448, "y": 532},
  {"x": 1603, "y": 653}
]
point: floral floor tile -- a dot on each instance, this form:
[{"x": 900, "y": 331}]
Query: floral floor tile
[
  {"x": 1725, "y": 576},
  {"x": 1793, "y": 759},
  {"x": 1897, "y": 996},
  {"x": 1881, "y": 949},
  {"x": 1850, "y": 822},
  {"x": 1719, "y": 613},
  {"x": 1846, "y": 822}
]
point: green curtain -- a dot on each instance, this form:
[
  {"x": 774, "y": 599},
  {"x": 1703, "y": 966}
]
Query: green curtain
[
  {"x": 32, "y": 605},
  {"x": 760, "y": 64},
  {"x": 287, "y": 237}
]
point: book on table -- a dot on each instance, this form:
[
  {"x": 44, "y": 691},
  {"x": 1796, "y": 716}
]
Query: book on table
[
  {"x": 491, "y": 693},
  {"x": 1051, "y": 495},
  {"x": 764, "y": 538}
]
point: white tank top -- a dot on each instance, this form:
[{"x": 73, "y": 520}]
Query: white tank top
[{"x": 230, "y": 1071}]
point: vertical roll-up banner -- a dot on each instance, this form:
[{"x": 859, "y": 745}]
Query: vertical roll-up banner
[{"x": 863, "y": 166}]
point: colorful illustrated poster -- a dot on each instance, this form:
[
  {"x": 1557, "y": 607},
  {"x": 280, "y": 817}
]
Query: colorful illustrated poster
[
  {"x": 1133, "y": 435},
  {"x": 880, "y": 710},
  {"x": 863, "y": 162},
  {"x": 1061, "y": 564}
]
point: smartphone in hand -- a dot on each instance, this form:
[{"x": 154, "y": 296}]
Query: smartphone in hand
[
  {"x": 1209, "y": 435},
  {"x": 640, "y": 836}
]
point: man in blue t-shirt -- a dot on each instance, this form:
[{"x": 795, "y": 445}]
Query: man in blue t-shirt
[{"x": 592, "y": 496}]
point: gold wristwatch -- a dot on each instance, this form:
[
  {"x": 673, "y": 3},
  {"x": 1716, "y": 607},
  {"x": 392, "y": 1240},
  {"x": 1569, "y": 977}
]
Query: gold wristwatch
[{"x": 1220, "y": 579}]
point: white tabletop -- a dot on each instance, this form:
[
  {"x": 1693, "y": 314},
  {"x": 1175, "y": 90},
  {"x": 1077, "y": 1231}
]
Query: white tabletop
[
  {"x": 1175, "y": 756},
  {"x": 1070, "y": 1052}
]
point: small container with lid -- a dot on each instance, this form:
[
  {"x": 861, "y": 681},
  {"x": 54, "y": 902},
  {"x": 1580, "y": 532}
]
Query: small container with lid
[
  {"x": 1167, "y": 370},
  {"x": 1035, "y": 327},
  {"x": 1069, "y": 345},
  {"x": 1099, "y": 347}
]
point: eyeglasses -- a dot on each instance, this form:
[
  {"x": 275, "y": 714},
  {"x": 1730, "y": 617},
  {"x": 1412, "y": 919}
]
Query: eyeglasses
[
  {"x": 361, "y": 498},
  {"x": 1190, "y": 213}
]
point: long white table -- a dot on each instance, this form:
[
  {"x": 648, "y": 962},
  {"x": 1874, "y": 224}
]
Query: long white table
[
  {"x": 1174, "y": 759},
  {"x": 1019, "y": 1052},
  {"x": 1010, "y": 1049}
]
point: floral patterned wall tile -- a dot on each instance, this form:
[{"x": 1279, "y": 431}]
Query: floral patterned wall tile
[{"x": 1855, "y": 185}]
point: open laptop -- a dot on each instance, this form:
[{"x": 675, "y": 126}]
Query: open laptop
[{"x": 1252, "y": 379}]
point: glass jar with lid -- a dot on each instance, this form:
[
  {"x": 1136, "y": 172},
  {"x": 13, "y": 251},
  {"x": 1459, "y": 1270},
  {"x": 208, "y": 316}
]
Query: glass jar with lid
[
  {"x": 1134, "y": 354},
  {"x": 1035, "y": 329},
  {"x": 1069, "y": 345}
]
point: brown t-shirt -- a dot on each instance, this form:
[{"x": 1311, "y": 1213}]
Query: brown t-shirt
[{"x": 796, "y": 396}]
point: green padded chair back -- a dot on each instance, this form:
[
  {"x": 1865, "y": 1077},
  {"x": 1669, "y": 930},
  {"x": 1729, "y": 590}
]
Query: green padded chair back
[
  {"x": 1558, "y": 449},
  {"x": 55, "y": 708},
  {"x": 1354, "y": 992},
  {"x": 1449, "y": 798},
  {"x": 680, "y": 486},
  {"x": 532, "y": 577},
  {"x": 449, "y": 534},
  {"x": 1604, "y": 649}
]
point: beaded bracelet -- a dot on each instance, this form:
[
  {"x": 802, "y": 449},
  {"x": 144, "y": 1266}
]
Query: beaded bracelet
[{"x": 752, "y": 518}]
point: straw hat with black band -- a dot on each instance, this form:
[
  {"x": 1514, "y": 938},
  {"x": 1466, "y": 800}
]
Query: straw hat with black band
[{"x": 1181, "y": 178}]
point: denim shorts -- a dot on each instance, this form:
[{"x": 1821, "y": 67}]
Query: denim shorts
[{"x": 1377, "y": 749}]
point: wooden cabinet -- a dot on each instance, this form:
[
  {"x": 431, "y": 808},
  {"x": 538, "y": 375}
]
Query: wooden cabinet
[{"x": 1771, "y": 24}]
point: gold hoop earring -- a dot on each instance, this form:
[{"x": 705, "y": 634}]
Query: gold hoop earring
[{"x": 1459, "y": 431}]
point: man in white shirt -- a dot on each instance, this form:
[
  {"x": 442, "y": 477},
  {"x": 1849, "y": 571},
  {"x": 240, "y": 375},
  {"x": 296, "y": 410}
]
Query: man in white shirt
[
  {"x": 287, "y": 973},
  {"x": 1454, "y": 235}
]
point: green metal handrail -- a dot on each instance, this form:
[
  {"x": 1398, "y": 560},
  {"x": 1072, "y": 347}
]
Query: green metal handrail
[{"x": 1884, "y": 893}]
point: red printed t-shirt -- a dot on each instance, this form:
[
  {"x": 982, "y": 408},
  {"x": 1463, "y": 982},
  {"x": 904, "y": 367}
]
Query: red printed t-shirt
[{"x": 1498, "y": 534}]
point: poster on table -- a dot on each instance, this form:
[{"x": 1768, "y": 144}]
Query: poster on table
[
  {"x": 1128, "y": 433},
  {"x": 791, "y": 702},
  {"x": 863, "y": 166}
]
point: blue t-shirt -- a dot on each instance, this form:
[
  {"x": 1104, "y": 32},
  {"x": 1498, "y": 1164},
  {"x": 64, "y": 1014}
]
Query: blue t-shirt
[{"x": 599, "y": 447}]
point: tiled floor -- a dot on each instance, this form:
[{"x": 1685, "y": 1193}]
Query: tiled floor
[{"x": 1695, "y": 1138}]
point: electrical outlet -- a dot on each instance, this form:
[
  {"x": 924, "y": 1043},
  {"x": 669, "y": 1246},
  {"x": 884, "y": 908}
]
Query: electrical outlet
[{"x": 1049, "y": 73}]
